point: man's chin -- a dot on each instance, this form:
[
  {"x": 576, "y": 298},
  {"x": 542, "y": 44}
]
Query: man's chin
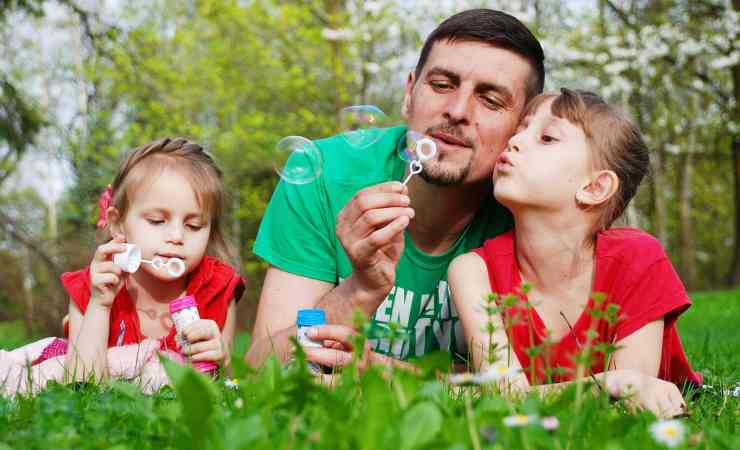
[{"x": 443, "y": 178}]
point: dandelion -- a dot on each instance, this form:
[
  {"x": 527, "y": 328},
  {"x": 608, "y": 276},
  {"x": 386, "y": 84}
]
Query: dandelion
[
  {"x": 238, "y": 403},
  {"x": 668, "y": 432},
  {"x": 231, "y": 383},
  {"x": 519, "y": 420},
  {"x": 550, "y": 423}
]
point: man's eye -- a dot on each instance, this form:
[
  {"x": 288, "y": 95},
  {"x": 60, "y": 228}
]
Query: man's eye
[
  {"x": 441, "y": 85},
  {"x": 491, "y": 102}
]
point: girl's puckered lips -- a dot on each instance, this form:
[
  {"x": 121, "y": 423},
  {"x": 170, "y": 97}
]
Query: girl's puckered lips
[{"x": 503, "y": 160}]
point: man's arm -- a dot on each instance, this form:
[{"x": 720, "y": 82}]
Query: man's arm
[
  {"x": 283, "y": 294},
  {"x": 370, "y": 229}
]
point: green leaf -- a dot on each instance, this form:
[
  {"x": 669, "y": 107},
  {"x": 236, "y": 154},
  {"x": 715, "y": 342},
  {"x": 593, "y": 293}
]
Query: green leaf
[{"x": 420, "y": 425}]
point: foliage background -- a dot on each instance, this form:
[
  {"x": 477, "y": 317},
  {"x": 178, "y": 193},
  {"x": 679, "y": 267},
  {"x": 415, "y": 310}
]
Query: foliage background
[{"x": 82, "y": 81}]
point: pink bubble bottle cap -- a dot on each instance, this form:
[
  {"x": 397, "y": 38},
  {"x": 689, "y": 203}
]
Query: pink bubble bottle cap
[{"x": 181, "y": 303}]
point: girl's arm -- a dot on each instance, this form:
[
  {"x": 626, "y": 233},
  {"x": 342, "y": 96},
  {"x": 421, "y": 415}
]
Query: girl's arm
[
  {"x": 88, "y": 334},
  {"x": 88, "y": 342},
  {"x": 634, "y": 367},
  {"x": 468, "y": 280}
]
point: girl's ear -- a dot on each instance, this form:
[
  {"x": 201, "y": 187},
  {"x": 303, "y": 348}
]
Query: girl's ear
[
  {"x": 602, "y": 186},
  {"x": 115, "y": 225}
]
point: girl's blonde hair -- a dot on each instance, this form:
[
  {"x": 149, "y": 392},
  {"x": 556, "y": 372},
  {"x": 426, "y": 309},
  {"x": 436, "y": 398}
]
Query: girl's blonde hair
[
  {"x": 616, "y": 142},
  {"x": 194, "y": 163}
]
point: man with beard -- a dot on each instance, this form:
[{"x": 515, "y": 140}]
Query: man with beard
[{"x": 357, "y": 239}]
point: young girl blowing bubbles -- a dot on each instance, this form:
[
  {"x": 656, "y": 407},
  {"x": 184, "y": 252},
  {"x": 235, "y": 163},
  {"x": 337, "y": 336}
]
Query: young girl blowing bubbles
[
  {"x": 567, "y": 175},
  {"x": 166, "y": 199}
]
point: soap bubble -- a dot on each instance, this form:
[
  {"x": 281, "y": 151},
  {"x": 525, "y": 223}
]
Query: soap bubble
[
  {"x": 418, "y": 147},
  {"x": 362, "y": 125},
  {"x": 298, "y": 160}
]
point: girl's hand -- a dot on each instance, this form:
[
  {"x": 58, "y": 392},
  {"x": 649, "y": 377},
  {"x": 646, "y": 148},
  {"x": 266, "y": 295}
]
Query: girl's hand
[
  {"x": 106, "y": 278},
  {"x": 206, "y": 342},
  {"x": 641, "y": 391}
]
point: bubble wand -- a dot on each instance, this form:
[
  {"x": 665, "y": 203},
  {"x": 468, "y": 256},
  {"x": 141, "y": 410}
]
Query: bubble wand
[{"x": 424, "y": 150}]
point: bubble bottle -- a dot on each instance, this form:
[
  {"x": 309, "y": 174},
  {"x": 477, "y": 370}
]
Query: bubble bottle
[
  {"x": 184, "y": 311},
  {"x": 306, "y": 319}
]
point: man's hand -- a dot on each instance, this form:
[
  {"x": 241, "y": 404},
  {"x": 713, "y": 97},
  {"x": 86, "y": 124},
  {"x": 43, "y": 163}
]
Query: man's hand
[
  {"x": 370, "y": 228},
  {"x": 338, "y": 347}
]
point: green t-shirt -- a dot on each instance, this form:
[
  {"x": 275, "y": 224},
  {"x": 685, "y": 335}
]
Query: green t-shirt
[{"x": 297, "y": 235}]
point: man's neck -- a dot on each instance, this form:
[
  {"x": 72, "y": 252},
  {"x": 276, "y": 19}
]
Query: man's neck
[
  {"x": 553, "y": 251},
  {"x": 442, "y": 213}
]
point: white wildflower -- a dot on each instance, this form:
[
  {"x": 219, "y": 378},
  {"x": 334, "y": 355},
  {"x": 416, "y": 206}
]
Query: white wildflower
[
  {"x": 238, "y": 403},
  {"x": 668, "y": 432},
  {"x": 231, "y": 383},
  {"x": 550, "y": 423},
  {"x": 462, "y": 378},
  {"x": 519, "y": 420},
  {"x": 497, "y": 372}
]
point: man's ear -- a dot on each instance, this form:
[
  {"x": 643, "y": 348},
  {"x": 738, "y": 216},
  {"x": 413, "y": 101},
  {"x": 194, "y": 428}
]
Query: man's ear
[
  {"x": 598, "y": 190},
  {"x": 115, "y": 225},
  {"x": 410, "y": 82}
]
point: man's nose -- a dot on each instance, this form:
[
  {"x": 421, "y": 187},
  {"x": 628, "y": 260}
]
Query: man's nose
[{"x": 459, "y": 106}]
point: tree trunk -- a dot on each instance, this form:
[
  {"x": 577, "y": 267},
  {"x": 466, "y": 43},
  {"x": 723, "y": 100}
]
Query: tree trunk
[
  {"x": 734, "y": 277},
  {"x": 686, "y": 233},
  {"x": 28, "y": 294},
  {"x": 659, "y": 187}
]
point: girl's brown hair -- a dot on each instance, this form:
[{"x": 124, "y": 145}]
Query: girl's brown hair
[
  {"x": 616, "y": 142},
  {"x": 194, "y": 163}
]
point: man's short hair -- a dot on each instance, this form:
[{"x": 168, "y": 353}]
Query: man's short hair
[{"x": 497, "y": 29}]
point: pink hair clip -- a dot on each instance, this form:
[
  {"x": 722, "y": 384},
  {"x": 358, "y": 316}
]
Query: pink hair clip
[{"x": 103, "y": 205}]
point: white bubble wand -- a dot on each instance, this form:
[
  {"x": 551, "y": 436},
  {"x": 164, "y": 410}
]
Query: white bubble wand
[
  {"x": 424, "y": 149},
  {"x": 130, "y": 260}
]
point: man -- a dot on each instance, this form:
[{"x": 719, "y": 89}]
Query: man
[{"x": 357, "y": 239}]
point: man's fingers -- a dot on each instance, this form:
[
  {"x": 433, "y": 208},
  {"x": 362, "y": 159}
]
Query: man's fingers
[
  {"x": 328, "y": 356},
  {"x": 375, "y": 218},
  {"x": 366, "y": 248},
  {"x": 367, "y": 200},
  {"x": 341, "y": 334}
]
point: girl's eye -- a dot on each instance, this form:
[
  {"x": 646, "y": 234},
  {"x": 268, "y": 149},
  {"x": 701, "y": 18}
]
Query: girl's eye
[
  {"x": 155, "y": 221},
  {"x": 548, "y": 139},
  {"x": 194, "y": 227}
]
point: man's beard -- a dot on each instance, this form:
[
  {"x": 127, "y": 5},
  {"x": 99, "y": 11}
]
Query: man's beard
[{"x": 435, "y": 175}]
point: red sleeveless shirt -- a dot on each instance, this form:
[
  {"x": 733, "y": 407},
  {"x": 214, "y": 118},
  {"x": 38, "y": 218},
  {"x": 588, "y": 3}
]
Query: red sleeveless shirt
[
  {"x": 632, "y": 270},
  {"x": 213, "y": 283}
]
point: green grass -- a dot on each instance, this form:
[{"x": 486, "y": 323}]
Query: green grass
[{"x": 279, "y": 409}]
